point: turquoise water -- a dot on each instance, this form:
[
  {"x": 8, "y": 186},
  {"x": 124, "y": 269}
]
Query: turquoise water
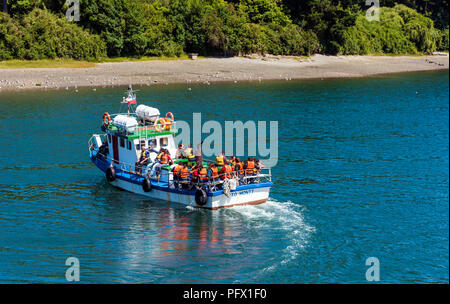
[{"x": 362, "y": 172}]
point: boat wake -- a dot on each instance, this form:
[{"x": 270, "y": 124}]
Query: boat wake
[{"x": 281, "y": 220}]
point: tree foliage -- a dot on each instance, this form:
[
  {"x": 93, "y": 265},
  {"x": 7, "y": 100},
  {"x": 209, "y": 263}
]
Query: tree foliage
[
  {"x": 401, "y": 30},
  {"x": 40, "y": 34},
  {"x": 38, "y": 29}
]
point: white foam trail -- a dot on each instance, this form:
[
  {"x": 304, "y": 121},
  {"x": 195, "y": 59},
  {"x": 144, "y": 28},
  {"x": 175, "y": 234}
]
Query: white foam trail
[{"x": 286, "y": 216}]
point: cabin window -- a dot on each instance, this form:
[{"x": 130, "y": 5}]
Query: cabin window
[
  {"x": 138, "y": 147},
  {"x": 122, "y": 142},
  {"x": 143, "y": 144},
  {"x": 109, "y": 138},
  {"x": 152, "y": 143},
  {"x": 128, "y": 145},
  {"x": 163, "y": 142}
]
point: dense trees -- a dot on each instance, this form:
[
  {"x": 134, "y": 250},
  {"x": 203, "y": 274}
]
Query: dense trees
[
  {"x": 38, "y": 29},
  {"x": 400, "y": 30},
  {"x": 40, "y": 34}
]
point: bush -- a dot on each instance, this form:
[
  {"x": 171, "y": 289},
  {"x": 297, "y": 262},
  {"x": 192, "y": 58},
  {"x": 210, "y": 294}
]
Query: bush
[
  {"x": 10, "y": 37},
  {"x": 42, "y": 35},
  {"x": 401, "y": 30},
  {"x": 443, "y": 40}
]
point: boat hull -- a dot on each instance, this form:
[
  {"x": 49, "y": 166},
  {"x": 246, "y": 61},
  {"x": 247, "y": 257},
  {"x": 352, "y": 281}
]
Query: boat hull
[
  {"x": 252, "y": 194},
  {"x": 237, "y": 198}
]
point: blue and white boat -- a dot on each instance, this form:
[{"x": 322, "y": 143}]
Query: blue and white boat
[{"x": 116, "y": 151}]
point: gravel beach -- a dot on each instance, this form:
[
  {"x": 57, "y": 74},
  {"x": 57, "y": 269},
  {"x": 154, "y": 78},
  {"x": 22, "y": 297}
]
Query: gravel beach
[{"x": 216, "y": 69}]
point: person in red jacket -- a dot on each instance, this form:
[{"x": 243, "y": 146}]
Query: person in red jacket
[{"x": 226, "y": 171}]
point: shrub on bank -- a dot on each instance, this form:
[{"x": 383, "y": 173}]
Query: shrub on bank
[
  {"x": 42, "y": 35},
  {"x": 401, "y": 30}
]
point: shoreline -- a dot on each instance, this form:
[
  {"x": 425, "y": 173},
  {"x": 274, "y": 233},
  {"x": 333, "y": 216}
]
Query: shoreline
[{"x": 210, "y": 70}]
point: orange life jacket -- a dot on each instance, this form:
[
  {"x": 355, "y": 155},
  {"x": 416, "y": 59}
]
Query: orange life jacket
[
  {"x": 184, "y": 172},
  {"x": 239, "y": 167},
  {"x": 227, "y": 170},
  {"x": 203, "y": 173},
  {"x": 215, "y": 172},
  {"x": 164, "y": 159},
  {"x": 250, "y": 167},
  {"x": 177, "y": 170}
]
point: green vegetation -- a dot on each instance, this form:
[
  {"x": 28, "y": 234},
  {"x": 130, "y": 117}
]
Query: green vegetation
[
  {"x": 45, "y": 63},
  {"x": 400, "y": 30},
  {"x": 112, "y": 30}
]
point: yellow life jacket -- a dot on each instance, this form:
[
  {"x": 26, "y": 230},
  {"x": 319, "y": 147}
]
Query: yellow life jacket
[{"x": 219, "y": 160}]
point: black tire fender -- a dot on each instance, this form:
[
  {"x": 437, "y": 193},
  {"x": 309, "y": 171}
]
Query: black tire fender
[
  {"x": 110, "y": 174},
  {"x": 200, "y": 197},
  {"x": 146, "y": 185}
]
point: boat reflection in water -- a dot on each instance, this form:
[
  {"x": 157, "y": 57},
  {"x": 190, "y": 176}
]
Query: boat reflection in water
[{"x": 169, "y": 243}]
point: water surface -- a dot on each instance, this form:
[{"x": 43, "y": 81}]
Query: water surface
[{"x": 362, "y": 172}]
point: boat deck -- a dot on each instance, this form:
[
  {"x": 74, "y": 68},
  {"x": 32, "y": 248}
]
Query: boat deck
[{"x": 137, "y": 179}]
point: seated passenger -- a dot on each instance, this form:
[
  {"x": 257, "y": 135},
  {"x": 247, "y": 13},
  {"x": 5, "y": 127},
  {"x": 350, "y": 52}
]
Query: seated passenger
[
  {"x": 258, "y": 166},
  {"x": 239, "y": 168},
  {"x": 103, "y": 150},
  {"x": 143, "y": 160},
  {"x": 180, "y": 152},
  {"x": 220, "y": 161},
  {"x": 213, "y": 173},
  {"x": 249, "y": 167},
  {"x": 202, "y": 174},
  {"x": 184, "y": 175},
  {"x": 176, "y": 173},
  {"x": 188, "y": 151},
  {"x": 226, "y": 172},
  {"x": 191, "y": 160}
]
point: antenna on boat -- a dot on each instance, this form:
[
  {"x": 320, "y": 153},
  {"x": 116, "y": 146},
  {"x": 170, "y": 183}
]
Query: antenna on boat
[{"x": 130, "y": 99}]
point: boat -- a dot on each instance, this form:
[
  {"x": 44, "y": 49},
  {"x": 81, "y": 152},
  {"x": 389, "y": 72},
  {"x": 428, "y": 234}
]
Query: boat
[{"x": 117, "y": 149}]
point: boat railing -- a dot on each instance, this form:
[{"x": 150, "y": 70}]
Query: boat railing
[
  {"x": 262, "y": 175},
  {"x": 144, "y": 129}
]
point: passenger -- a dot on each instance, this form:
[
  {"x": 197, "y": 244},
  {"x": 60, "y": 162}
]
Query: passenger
[
  {"x": 103, "y": 150},
  {"x": 143, "y": 160},
  {"x": 191, "y": 160},
  {"x": 160, "y": 161},
  {"x": 239, "y": 168},
  {"x": 164, "y": 157},
  {"x": 188, "y": 151},
  {"x": 169, "y": 158},
  {"x": 180, "y": 152},
  {"x": 213, "y": 173},
  {"x": 258, "y": 166},
  {"x": 176, "y": 173},
  {"x": 226, "y": 171},
  {"x": 220, "y": 160},
  {"x": 159, "y": 155},
  {"x": 195, "y": 173},
  {"x": 249, "y": 167},
  {"x": 198, "y": 152},
  {"x": 202, "y": 174},
  {"x": 184, "y": 174}
]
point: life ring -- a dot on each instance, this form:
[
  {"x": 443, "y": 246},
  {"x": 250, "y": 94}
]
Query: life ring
[
  {"x": 110, "y": 174},
  {"x": 160, "y": 124},
  {"x": 200, "y": 197},
  {"x": 106, "y": 119},
  {"x": 146, "y": 185},
  {"x": 168, "y": 124},
  {"x": 169, "y": 121},
  {"x": 172, "y": 118}
]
